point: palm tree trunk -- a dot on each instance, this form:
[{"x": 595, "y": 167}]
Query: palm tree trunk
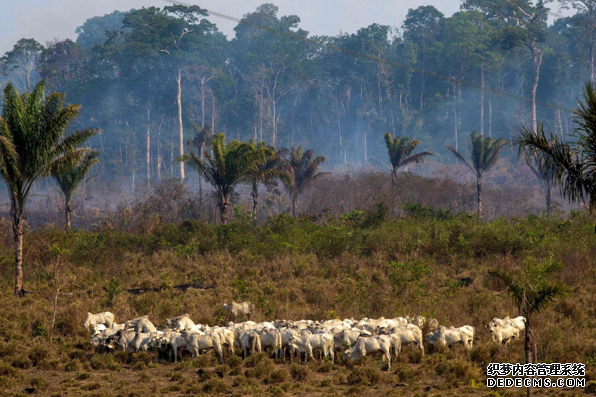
[
  {"x": 479, "y": 190},
  {"x": 393, "y": 176},
  {"x": 255, "y": 201},
  {"x": 528, "y": 349},
  {"x": 548, "y": 199},
  {"x": 482, "y": 100},
  {"x": 67, "y": 212},
  {"x": 16, "y": 213},
  {"x": 181, "y": 130},
  {"x": 223, "y": 207},
  {"x": 294, "y": 199}
]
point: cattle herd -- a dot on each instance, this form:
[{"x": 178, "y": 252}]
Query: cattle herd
[{"x": 284, "y": 337}]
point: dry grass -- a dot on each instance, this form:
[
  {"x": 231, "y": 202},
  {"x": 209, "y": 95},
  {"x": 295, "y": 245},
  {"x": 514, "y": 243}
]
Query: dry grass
[{"x": 291, "y": 269}]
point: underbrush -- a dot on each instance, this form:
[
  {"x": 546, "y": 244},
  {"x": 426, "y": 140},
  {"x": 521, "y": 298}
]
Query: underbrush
[{"x": 352, "y": 266}]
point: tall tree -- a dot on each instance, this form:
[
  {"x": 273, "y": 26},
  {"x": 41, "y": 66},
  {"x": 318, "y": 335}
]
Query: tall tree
[
  {"x": 176, "y": 32},
  {"x": 523, "y": 24},
  {"x": 422, "y": 27},
  {"x": 225, "y": 167},
  {"x": 301, "y": 169},
  {"x": 484, "y": 154},
  {"x": 532, "y": 291},
  {"x": 21, "y": 61},
  {"x": 400, "y": 152},
  {"x": 585, "y": 21},
  {"x": 33, "y": 144},
  {"x": 70, "y": 179},
  {"x": 571, "y": 164}
]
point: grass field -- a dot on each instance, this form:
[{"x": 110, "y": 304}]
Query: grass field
[{"x": 353, "y": 266}]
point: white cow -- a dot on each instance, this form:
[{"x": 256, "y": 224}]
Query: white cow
[
  {"x": 181, "y": 323},
  {"x": 305, "y": 343},
  {"x": 195, "y": 343},
  {"x": 371, "y": 345},
  {"x": 171, "y": 340},
  {"x": 141, "y": 324},
  {"x": 249, "y": 339},
  {"x": 451, "y": 336},
  {"x": 408, "y": 335},
  {"x": 271, "y": 338},
  {"x": 347, "y": 338},
  {"x": 236, "y": 309},
  {"x": 503, "y": 332},
  {"x": 92, "y": 320}
]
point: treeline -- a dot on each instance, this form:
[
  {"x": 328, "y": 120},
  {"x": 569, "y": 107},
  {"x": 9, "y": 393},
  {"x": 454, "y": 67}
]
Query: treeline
[{"x": 146, "y": 77}]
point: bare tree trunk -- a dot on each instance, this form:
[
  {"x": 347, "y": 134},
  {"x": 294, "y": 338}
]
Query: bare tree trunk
[
  {"x": 159, "y": 152},
  {"x": 149, "y": 145},
  {"x": 201, "y": 154},
  {"x": 180, "y": 126},
  {"x": 365, "y": 149},
  {"x": 17, "y": 228},
  {"x": 54, "y": 309},
  {"x": 592, "y": 62},
  {"x": 455, "y": 114},
  {"x": 479, "y": 189},
  {"x": 537, "y": 58},
  {"x": 67, "y": 212},
  {"x": 490, "y": 117},
  {"x": 482, "y": 100}
]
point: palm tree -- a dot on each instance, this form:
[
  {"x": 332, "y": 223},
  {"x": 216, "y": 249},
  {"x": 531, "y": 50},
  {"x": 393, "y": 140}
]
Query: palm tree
[
  {"x": 34, "y": 144},
  {"x": 571, "y": 164},
  {"x": 484, "y": 153},
  {"x": 225, "y": 167},
  {"x": 69, "y": 180},
  {"x": 300, "y": 169},
  {"x": 264, "y": 173},
  {"x": 545, "y": 176},
  {"x": 532, "y": 291},
  {"x": 201, "y": 140},
  {"x": 400, "y": 152}
]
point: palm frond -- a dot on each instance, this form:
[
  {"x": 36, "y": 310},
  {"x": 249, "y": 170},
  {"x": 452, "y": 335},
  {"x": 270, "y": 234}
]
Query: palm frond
[{"x": 460, "y": 157}]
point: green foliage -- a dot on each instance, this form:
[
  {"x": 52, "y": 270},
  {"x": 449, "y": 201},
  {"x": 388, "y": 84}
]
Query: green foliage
[
  {"x": 226, "y": 167},
  {"x": 112, "y": 288},
  {"x": 400, "y": 152},
  {"x": 570, "y": 165}
]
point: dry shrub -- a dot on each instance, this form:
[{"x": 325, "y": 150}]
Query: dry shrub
[
  {"x": 299, "y": 372},
  {"x": 215, "y": 386},
  {"x": 39, "y": 383},
  {"x": 234, "y": 361},
  {"x": 91, "y": 386},
  {"x": 407, "y": 374},
  {"x": 458, "y": 372},
  {"x": 21, "y": 361},
  {"x": 364, "y": 376},
  {"x": 326, "y": 366},
  {"x": 278, "y": 376}
]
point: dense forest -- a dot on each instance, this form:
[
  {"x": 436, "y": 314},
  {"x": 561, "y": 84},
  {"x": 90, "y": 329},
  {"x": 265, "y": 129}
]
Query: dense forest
[{"x": 147, "y": 77}]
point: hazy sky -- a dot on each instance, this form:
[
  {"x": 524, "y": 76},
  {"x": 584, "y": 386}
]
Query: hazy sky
[{"x": 46, "y": 20}]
